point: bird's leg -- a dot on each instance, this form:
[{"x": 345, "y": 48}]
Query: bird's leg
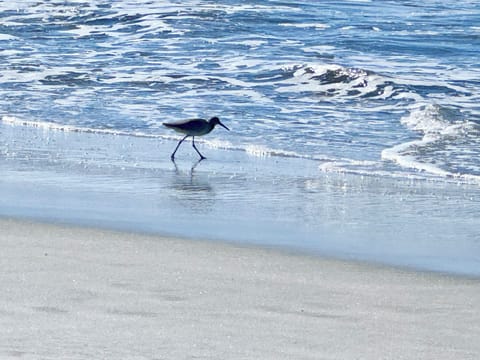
[
  {"x": 178, "y": 145},
  {"x": 193, "y": 144}
]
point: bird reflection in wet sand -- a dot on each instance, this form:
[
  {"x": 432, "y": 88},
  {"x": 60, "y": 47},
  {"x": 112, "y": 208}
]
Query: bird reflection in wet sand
[
  {"x": 194, "y": 127},
  {"x": 194, "y": 191}
]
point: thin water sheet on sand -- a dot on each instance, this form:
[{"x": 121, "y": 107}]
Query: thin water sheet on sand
[
  {"x": 129, "y": 183},
  {"x": 80, "y": 293}
]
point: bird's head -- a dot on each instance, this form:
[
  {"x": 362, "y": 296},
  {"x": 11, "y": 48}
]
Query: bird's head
[{"x": 216, "y": 121}]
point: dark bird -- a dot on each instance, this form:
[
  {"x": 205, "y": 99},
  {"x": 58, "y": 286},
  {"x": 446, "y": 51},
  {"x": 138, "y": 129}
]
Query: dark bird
[{"x": 194, "y": 127}]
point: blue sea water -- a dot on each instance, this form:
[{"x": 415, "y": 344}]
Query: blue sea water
[{"x": 387, "y": 91}]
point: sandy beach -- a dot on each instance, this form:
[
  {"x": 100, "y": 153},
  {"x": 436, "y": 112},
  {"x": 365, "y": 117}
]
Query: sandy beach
[
  {"x": 338, "y": 218},
  {"x": 80, "y": 293}
]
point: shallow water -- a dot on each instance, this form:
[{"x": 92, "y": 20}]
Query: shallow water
[
  {"x": 128, "y": 183},
  {"x": 355, "y": 124}
]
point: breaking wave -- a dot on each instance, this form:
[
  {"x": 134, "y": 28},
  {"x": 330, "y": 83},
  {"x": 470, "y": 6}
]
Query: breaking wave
[{"x": 449, "y": 145}]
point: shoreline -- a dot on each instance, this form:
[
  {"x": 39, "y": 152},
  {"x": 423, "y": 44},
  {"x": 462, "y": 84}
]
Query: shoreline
[
  {"x": 374, "y": 265},
  {"x": 129, "y": 184},
  {"x": 83, "y": 293}
]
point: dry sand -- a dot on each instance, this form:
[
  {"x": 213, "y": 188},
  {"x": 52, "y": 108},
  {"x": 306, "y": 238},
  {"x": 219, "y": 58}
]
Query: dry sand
[{"x": 78, "y": 293}]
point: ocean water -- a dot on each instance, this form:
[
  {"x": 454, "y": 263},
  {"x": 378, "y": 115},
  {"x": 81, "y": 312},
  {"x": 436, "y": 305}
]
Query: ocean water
[{"x": 337, "y": 96}]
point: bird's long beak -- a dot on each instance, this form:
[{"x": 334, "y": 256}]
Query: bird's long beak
[{"x": 219, "y": 123}]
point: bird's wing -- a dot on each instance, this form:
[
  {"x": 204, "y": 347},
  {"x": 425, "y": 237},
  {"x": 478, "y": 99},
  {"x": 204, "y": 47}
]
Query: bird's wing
[{"x": 187, "y": 125}]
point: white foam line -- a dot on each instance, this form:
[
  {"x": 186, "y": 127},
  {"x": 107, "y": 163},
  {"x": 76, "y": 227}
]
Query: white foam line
[
  {"x": 47, "y": 125},
  {"x": 254, "y": 150},
  {"x": 394, "y": 154},
  {"x": 436, "y": 174},
  {"x": 263, "y": 151},
  {"x": 429, "y": 121}
]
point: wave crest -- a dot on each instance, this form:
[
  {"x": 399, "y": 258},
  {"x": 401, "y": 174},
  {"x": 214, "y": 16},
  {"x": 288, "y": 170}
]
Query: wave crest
[
  {"x": 447, "y": 147},
  {"x": 340, "y": 82}
]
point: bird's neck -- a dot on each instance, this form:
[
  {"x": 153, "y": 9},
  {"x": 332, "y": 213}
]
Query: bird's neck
[{"x": 210, "y": 126}]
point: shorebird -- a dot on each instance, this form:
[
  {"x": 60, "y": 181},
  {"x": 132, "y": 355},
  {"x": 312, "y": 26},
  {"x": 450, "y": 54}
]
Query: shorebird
[{"x": 193, "y": 127}]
